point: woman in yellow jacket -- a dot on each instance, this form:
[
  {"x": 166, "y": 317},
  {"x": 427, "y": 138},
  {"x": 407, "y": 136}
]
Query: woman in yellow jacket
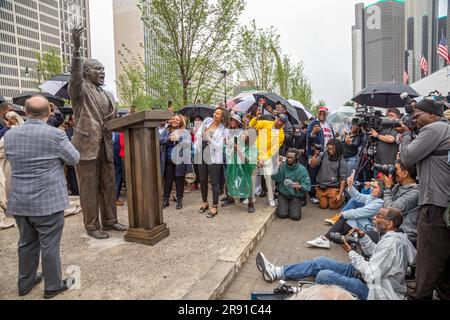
[{"x": 269, "y": 141}]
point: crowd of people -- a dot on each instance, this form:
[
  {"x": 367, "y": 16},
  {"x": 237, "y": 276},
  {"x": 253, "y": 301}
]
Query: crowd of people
[
  {"x": 397, "y": 206},
  {"x": 399, "y": 213}
]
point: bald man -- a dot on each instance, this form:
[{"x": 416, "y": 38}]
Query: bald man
[
  {"x": 93, "y": 107},
  {"x": 37, "y": 153}
]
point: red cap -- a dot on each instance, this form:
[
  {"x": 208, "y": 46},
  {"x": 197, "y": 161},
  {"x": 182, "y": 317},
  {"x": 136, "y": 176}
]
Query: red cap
[{"x": 323, "y": 108}]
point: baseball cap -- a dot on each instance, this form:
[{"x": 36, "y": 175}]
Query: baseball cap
[
  {"x": 323, "y": 109},
  {"x": 283, "y": 118},
  {"x": 237, "y": 117}
]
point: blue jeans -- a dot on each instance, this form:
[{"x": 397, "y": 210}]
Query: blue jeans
[
  {"x": 353, "y": 204},
  {"x": 330, "y": 272},
  {"x": 352, "y": 163}
]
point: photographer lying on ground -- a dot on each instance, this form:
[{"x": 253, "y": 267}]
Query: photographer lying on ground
[
  {"x": 358, "y": 217},
  {"x": 429, "y": 151},
  {"x": 380, "y": 278}
]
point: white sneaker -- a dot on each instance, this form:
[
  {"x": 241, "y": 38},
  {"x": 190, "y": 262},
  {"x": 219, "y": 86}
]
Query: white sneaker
[
  {"x": 245, "y": 201},
  {"x": 272, "y": 203},
  {"x": 315, "y": 200},
  {"x": 320, "y": 242},
  {"x": 268, "y": 269}
]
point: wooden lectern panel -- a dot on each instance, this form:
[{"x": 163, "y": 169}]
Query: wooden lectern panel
[{"x": 143, "y": 176}]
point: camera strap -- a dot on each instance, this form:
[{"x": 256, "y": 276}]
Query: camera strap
[{"x": 440, "y": 153}]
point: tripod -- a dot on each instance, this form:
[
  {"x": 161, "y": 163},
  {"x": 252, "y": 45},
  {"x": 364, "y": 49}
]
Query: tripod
[{"x": 366, "y": 159}]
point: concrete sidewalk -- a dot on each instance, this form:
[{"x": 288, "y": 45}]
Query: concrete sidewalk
[
  {"x": 197, "y": 261},
  {"x": 284, "y": 243}
]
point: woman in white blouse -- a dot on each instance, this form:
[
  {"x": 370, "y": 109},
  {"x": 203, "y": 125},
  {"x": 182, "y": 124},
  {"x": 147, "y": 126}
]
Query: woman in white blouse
[{"x": 209, "y": 148}]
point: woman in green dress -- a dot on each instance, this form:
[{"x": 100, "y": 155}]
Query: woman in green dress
[{"x": 240, "y": 150}]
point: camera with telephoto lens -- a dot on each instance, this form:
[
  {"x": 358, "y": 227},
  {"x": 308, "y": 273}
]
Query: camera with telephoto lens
[
  {"x": 368, "y": 118},
  {"x": 338, "y": 238},
  {"x": 386, "y": 169},
  {"x": 408, "y": 117}
]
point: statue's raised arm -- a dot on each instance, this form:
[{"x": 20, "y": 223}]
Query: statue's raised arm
[
  {"x": 76, "y": 37},
  {"x": 76, "y": 79}
]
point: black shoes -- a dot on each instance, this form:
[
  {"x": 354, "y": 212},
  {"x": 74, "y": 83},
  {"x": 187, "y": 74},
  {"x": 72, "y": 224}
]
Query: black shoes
[
  {"x": 165, "y": 202},
  {"x": 67, "y": 283},
  {"x": 37, "y": 280},
  {"x": 179, "y": 204},
  {"x": 98, "y": 234},
  {"x": 251, "y": 208},
  {"x": 228, "y": 202},
  {"x": 116, "y": 226}
]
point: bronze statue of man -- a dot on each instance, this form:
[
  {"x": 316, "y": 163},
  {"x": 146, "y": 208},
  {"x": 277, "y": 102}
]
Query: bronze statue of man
[{"x": 93, "y": 107}]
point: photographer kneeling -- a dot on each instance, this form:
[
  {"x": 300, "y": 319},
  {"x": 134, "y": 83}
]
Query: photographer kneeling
[
  {"x": 380, "y": 278},
  {"x": 293, "y": 183},
  {"x": 331, "y": 176},
  {"x": 429, "y": 151}
]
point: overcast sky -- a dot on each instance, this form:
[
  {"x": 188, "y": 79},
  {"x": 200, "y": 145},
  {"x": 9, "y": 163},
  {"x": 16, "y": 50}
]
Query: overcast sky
[{"x": 315, "y": 31}]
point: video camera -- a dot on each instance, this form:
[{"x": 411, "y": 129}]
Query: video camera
[
  {"x": 369, "y": 118},
  {"x": 386, "y": 169},
  {"x": 408, "y": 117}
]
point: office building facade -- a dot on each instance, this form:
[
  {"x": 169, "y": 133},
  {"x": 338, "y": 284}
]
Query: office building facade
[
  {"x": 28, "y": 27},
  {"x": 378, "y": 41}
]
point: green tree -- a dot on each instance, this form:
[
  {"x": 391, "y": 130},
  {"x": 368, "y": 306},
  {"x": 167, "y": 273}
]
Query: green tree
[
  {"x": 193, "y": 42},
  {"x": 300, "y": 87},
  {"x": 255, "y": 60},
  {"x": 283, "y": 72},
  {"x": 132, "y": 82},
  {"x": 48, "y": 65}
]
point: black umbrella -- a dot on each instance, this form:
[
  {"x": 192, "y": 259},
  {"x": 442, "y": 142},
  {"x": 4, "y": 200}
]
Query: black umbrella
[
  {"x": 57, "y": 85},
  {"x": 302, "y": 116},
  {"x": 18, "y": 109},
  {"x": 384, "y": 95},
  {"x": 272, "y": 98},
  {"x": 2, "y": 99},
  {"x": 21, "y": 98},
  {"x": 197, "y": 110}
]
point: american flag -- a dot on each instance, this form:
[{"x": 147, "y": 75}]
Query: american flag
[
  {"x": 443, "y": 50},
  {"x": 424, "y": 65},
  {"x": 405, "y": 77}
]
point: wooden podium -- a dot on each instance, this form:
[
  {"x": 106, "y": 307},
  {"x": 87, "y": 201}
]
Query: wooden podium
[{"x": 143, "y": 175}]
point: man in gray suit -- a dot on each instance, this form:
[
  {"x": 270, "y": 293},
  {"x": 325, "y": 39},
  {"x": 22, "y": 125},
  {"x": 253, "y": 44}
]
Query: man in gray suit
[
  {"x": 37, "y": 153},
  {"x": 93, "y": 107}
]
